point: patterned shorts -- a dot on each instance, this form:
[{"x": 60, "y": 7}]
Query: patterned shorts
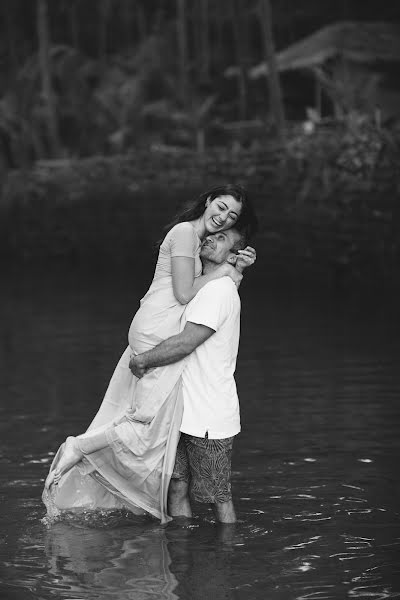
[{"x": 206, "y": 465}]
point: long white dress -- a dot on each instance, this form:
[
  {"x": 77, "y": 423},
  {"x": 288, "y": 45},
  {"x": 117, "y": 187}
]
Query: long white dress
[{"x": 141, "y": 417}]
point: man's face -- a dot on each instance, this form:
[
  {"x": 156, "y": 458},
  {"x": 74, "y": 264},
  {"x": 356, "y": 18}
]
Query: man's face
[{"x": 217, "y": 247}]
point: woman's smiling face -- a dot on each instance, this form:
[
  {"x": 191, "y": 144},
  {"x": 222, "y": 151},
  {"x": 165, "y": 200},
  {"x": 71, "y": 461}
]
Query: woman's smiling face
[{"x": 221, "y": 213}]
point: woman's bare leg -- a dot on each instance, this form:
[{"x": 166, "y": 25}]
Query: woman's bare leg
[
  {"x": 71, "y": 456},
  {"x": 75, "y": 450}
]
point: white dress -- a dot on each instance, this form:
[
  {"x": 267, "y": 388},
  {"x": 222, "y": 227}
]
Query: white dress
[{"x": 141, "y": 417}]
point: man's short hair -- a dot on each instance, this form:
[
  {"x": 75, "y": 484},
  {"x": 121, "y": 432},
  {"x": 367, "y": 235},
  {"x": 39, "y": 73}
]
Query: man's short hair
[{"x": 241, "y": 243}]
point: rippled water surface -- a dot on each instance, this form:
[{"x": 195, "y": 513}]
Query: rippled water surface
[{"x": 316, "y": 474}]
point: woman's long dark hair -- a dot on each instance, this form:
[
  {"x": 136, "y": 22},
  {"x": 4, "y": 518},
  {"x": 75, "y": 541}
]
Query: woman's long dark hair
[{"x": 247, "y": 222}]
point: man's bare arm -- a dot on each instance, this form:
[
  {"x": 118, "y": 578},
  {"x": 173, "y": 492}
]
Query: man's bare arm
[{"x": 172, "y": 349}]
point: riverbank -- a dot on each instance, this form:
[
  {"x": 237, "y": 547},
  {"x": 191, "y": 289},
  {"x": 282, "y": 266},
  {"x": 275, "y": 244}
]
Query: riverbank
[{"x": 320, "y": 218}]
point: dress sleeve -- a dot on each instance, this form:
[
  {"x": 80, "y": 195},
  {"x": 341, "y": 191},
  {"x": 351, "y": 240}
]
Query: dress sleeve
[{"x": 184, "y": 241}]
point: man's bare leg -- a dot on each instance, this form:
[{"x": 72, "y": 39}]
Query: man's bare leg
[
  {"x": 226, "y": 533},
  {"x": 178, "y": 499},
  {"x": 225, "y": 512}
]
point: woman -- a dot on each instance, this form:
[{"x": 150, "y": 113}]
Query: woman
[{"x": 130, "y": 445}]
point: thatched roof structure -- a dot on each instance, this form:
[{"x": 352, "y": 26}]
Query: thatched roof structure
[{"x": 361, "y": 42}]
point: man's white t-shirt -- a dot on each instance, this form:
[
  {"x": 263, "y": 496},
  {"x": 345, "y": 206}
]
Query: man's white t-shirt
[{"x": 210, "y": 400}]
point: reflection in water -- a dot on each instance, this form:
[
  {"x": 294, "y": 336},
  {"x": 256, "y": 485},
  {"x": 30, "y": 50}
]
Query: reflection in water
[
  {"x": 129, "y": 562},
  {"x": 201, "y": 560},
  {"x": 315, "y": 467}
]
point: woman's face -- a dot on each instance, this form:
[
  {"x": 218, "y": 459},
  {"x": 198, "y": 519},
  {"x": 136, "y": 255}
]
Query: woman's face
[{"x": 221, "y": 213}]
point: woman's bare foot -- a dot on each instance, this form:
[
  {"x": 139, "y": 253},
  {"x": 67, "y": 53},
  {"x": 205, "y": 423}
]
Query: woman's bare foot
[{"x": 71, "y": 456}]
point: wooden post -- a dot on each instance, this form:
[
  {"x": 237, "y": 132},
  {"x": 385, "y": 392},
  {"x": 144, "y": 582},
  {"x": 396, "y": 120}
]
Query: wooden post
[
  {"x": 318, "y": 98},
  {"x": 45, "y": 74}
]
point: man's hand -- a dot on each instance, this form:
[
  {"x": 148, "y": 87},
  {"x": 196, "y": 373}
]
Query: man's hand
[
  {"x": 137, "y": 366},
  {"x": 246, "y": 258}
]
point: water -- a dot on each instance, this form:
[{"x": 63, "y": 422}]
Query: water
[{"x": 315, "y": 475}]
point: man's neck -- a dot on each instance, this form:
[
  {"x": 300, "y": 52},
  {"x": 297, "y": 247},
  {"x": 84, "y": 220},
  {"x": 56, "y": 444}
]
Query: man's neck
[{"x": 209, "y": 267}]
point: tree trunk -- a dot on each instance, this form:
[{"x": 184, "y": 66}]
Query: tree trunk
[
  {"x": 239, "y": 25},
  {"x": 218, "y": 50},
  {"x": 158, "y": 19},
  {"x": 45, "y": 74},
  {"x": 205, "y": 42},
  {"x": 125, "y": 21},
  {"x": 200, "y": 26},
  {"x": 104, "y": 12},
  {"x": 74, "y": 28},
  {"x": 195, "y": 29},
  {"x": 9, "y": 18},
  {"x": 182, "y": 45},
  {"x": 141, "y": 22},
  {"x": 273, "y": 77}
]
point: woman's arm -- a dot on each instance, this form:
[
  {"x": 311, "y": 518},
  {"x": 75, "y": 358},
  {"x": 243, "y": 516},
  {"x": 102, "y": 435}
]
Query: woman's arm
[{"x": 185, "y": 285}]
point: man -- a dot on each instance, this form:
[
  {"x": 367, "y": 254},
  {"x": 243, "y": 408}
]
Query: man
[{"x": 211, "y": 418}]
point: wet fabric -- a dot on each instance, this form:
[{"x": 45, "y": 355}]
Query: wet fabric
[{"x": 134, "y": 471}]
